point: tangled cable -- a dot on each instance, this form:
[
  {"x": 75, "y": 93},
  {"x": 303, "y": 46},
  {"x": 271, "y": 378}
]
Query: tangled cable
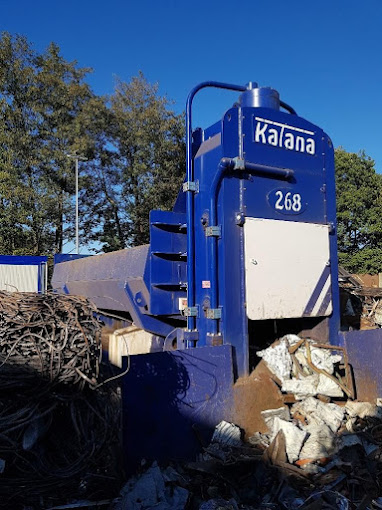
[
  {"x": 57, "y": 444},
  {"x": 56, "y": 335},
  {"x": 59, "y": 427}
]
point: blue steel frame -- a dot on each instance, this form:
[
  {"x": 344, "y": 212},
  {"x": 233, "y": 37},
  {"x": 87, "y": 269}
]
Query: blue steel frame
[
  {"x": 235, "y": 176},
  {"x": 190, "y": 192},
  {"x": 199, "y": 247}
]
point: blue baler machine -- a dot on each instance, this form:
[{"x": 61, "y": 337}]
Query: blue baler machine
[{"x": 248, "y": 253}]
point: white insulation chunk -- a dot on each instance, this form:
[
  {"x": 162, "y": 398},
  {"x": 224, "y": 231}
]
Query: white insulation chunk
[
  {"x": 270, "y": 414},
  {"x": 278, "y": 360},
  {"x": 294, "y": 437},
  {"x": 363, "y": 410},
  {"x": 317, "y": 384},
  {"x": 320, "y": 443},
  {"x": 316, "y": 412}
]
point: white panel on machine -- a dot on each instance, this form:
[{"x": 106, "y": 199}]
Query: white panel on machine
[{"x": 287, "y": 269}]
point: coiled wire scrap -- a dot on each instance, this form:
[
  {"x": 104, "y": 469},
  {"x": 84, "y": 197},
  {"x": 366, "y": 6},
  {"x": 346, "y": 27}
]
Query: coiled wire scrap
[
  {"x": 59, "y": 428},
  {"x": 59, "y": 336}
]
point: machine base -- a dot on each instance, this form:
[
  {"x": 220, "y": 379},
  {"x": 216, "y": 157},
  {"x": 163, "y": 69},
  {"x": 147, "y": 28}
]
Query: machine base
[{"x": 172, "y": 402}]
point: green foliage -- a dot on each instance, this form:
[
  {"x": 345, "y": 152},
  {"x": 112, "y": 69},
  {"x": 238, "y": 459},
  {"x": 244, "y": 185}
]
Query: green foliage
[
  {"x": 359, "y": 212},
  {"x": 133, "y": 142},
  {"x": 42, "y": 98},
  {"x": 140, "y": 165},
  {"x": 151, "y": 152}
]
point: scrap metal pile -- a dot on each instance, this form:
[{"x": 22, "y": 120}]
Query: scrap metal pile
[
  {"x": 56, "y": 335},
  {"x": 319, "y": 450},
  {"x": 361, "y": 304},
  {"x": 59, "y": 430}
]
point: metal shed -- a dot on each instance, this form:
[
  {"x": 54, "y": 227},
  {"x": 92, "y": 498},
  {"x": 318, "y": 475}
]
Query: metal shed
[{"x": 23, "y": 273}]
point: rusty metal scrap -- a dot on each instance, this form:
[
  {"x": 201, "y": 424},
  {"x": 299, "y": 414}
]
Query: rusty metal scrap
[
  {"x": 58, "y": 336},
  {"x": 346, "y": 386},
  {"x": 361, "y": 305}
]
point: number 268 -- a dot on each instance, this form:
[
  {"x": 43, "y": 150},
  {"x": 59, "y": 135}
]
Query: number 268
[{"x": 288, "y": 201}]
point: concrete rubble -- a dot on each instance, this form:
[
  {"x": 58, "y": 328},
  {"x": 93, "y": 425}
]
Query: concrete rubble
[{"x": 321, "y": 450}]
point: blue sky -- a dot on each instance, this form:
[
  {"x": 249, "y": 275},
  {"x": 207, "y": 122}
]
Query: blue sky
[{"x": 325, "y": 58}]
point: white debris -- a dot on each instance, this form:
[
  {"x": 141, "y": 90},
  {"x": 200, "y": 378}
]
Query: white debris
[
  {"x": 321, "y": 422},
  {"x": 303, "y": 381},
  {"x": 270, "y": 414},
  {"x": 291, "y": 339},
  {"x": 309, "y": 386},
  {"x": 313, "y": 429},
  {"x": 227, "y": 433},
  {"x": 321, "y": 358},
  {"x": 301, "y": 388},
  {"x": 324, "y": 359},
  {"x": 320, "y": 443},
  {"x": 316, "y": 412},
  {"x": 278, "y": 359},
  {"x": 149, "y": 491},
  {"x": 327, "y": 386},
  {"x": 301, "y": 358},
  {"x": 294, "y": 437},
  {"x": 363, "y": 410}
]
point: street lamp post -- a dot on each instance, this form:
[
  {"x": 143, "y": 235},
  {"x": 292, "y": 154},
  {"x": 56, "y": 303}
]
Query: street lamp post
[{"x": 77, "y": 158}]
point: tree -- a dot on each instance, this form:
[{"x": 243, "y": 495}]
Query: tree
[
  {"x": 42, "y": 104},
  {"x": 359, "y": 212},
  {"x": 19, "y": 146},
  {"x": 149, "y": 138},
  {"x": 139, "y": 166},
  {"x": 133, "y": 141}
]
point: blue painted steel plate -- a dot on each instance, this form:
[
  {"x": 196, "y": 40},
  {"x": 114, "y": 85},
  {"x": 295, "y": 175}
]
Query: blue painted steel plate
[{"x": 173, "y": 400}]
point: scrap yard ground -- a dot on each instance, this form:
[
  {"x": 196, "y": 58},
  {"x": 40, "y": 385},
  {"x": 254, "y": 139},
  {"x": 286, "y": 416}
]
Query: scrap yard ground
[{"x": 311, "y": 445}]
